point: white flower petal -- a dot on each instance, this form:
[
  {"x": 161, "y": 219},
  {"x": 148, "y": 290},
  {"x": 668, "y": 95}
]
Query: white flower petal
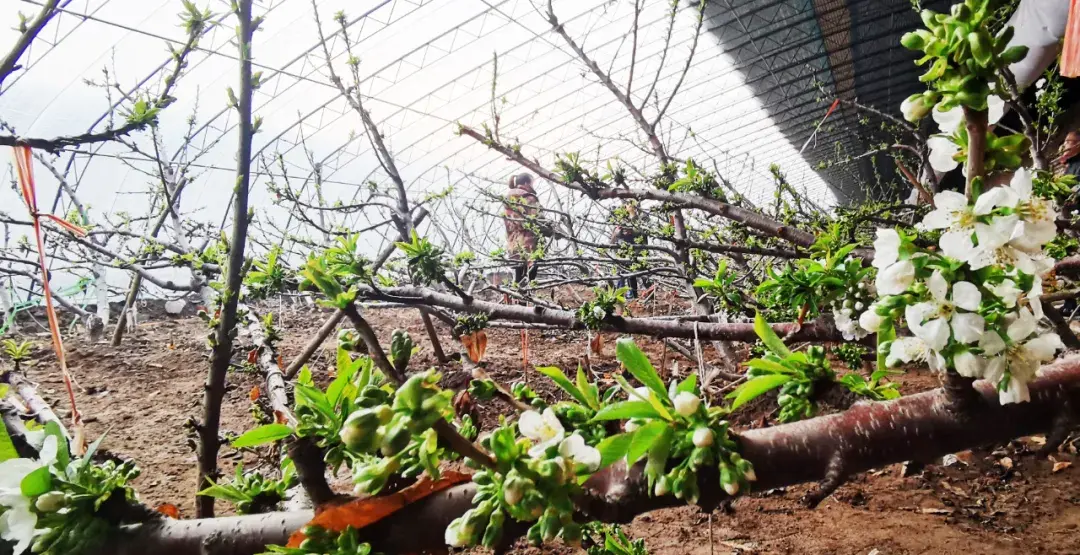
[
  {"x": 49, "y": 449},
  {"x": 1008, "y": 292},
  {"x": 950, "y": 201},
  {"x": 997, "y": 232},
  {"x": 1043, "y": 347},
  {"x": 957, "y": 244},
  {"x": 1021, "y": 183},
  {"x": 991, "y": 343},
  {"x": 886, "y": 248},
  {"x": 942, "y": 150},
  {"x": 530, "y": 424},
  {"x": 948, "y": 121},
  {"x": 998, "y": 196},
  {"x": 918, "y": 312},
  {"x": 935, "y": 333},
  {"x": 896, "y": 278},
  {"x": 969, "y": 365},
  {"x": 966, "y": 295},
  {"x": 870, "y": 320},
  {"x": 1023, "y": 326},
  {"x": 1017, "y": 392},
  {"x": 12, "y": 472},
  {"x": 939, "y": 288},
  {"x": 1032, "y": 236},
  {"x": 995, "y": 108},
  {"x": 967, "y": 327}
]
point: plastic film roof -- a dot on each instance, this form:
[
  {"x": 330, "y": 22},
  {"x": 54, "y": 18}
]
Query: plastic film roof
[{"x": 762, "y": 78}]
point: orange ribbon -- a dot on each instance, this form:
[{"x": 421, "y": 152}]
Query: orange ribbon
[{"x": 24, "y": 167}]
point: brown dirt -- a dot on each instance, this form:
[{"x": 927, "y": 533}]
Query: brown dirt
[{"x": 143, "y": 392}]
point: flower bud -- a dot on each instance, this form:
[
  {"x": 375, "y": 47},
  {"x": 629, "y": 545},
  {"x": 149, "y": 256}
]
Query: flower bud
[
  {"x": 703, "y": 437},
  {"x": 871, "y": 320},
  {"x": 662, "y": 487},
  {"x": 50, "y": 502},
  {"x": 630, "y": 426},
  {"x": 686, "y": 403}
]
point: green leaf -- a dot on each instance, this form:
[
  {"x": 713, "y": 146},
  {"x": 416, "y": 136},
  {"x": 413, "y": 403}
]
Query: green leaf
[
  {"x": 587, "y": 389},
  {"x": 90, "y": 451},
  {"x": 639, "y": 366},
  {"x": 769, "y": 366},
  {"x": 562, "y": 381},
  {"x": 613, "y": 448},
  {"x": 886, "y": 333},
  {"x": 37, "y": 482},
  {"x": 644, "y": 439},
  {"x": 688, "y": 385},
  {"x": 756, "y": 387},
  {"x": 652, "y": 398},
  {"x": 226, "y": 493},
  {"x": 657, "y": 462},
  {"x": 262, "y": 434},
  {"x": 63, "y": 450},
  {"x": 309, "y": 396},
  {"x": 7, "y": 449},
  {"x": 346, "y": 370},
  {"x": 625, "y": 410},
  {"x": 769, "y": 337}
]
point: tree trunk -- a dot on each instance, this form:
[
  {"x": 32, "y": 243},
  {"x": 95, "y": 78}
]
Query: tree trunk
[
  {"x": 222, "y": 351},
  {"x": 867, "y": 436}
]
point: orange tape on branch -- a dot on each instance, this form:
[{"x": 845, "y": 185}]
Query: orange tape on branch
[
  {"x": 25, "y": 168},
  {"x": 1070, "y": 54}
]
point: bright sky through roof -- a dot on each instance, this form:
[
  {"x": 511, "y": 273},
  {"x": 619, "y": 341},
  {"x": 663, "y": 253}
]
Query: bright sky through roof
[{"x": 426, "y": 66}]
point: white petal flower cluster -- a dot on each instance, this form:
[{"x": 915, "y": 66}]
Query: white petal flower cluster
[
  {"x": 545, "y": 430},
  {"x": 18, "y": 523},
  {"x": 943, "y": 147},
  {"x": 982, "y": 325}
]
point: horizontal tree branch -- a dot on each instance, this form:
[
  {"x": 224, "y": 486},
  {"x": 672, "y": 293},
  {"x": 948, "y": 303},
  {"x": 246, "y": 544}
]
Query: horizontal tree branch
[
  {"x": 749, "y": 218},
  {"x": 867, "y": 436},
  {"x": 656, "y": 327}
]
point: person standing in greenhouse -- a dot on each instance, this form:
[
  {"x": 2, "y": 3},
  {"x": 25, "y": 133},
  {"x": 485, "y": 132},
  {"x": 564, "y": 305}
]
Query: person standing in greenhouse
[
  {"x": 521, "y": 207},
  {"x": 626, "y": 234}
]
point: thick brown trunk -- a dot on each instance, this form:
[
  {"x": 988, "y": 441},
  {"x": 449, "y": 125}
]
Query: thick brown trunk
[{"x": 867, "y": 436}]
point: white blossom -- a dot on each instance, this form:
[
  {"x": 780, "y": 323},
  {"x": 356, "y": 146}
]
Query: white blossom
[
  {"x": 1021, "y": 357},
  {"x": 913, "y": 349},
  {"x": 544, "y": 430},
  {"x": 895, "y": 279},
  {"x": 18, "y": 523},
  {"x": 686, "y": 403},
  {"x": 1036, "y": 225},
  {"x": 930, "y": 320},
  {"x": 969, "y": 365},
  {"x": 949, "y": 121},
  {"x": 574, "y": 448},
  {"x": 958, "y": 218},
  {"x": 851, "y": 329},
  {"x": 894, "y": 275},
  {"x": 995, "y": 248},
  {"x": 942, "y": 153},
  {"x": 870, "y": 320},
  {"x": 703, "y": 437}
]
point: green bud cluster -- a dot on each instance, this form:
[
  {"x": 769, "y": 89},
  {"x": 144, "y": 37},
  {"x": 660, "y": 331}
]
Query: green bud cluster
[
  {"x": 963, "y": 57},
  {"x": 523, "y": 488}
]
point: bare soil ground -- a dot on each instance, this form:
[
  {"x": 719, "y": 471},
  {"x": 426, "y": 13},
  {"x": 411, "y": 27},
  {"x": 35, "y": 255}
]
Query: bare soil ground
[{"x": 995, "y": 500}]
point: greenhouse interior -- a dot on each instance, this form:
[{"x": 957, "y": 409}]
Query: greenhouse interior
[{"x": 611, "y": 277}]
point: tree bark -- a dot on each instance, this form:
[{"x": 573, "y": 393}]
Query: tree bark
[
  {"x": 222, "y": 353},
  {"x": 867, "y": 436},
  {"x": 706, "y": 331}
]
